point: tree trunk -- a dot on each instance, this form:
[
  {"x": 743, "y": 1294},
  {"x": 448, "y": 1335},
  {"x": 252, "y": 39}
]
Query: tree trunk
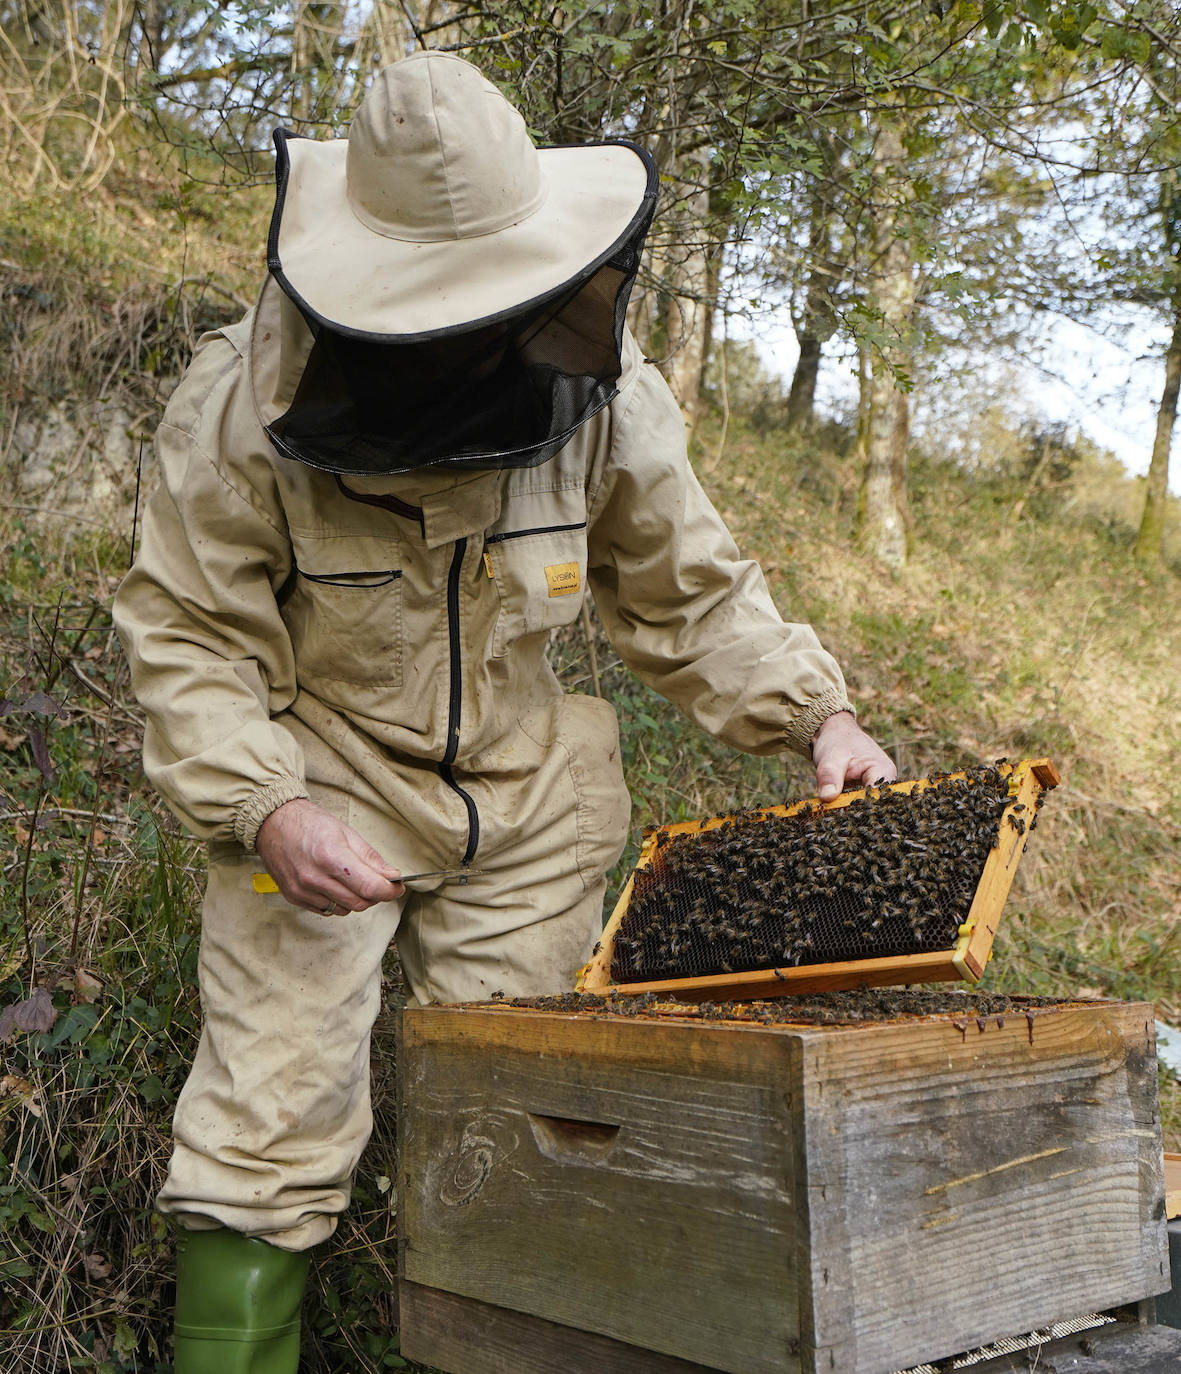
[
  {"x": 316, "y": 30},
  {"x": 885, "y": 517},
  {"x": 390, "y": 33},
  {"x": 883, "y": 509},
  {"x": 644, "y": 316},
  {"x": 398, "y": 29},
  {"x": 801, "y": 399},
  {"x": 689, "y": 285},
  {"x": 1150, "y": 540},
  {"x": 1035, "y": 477},
  {"x": 816, "y": 323},
  {"x": 863, "y": 365},
  {"x": 151, "y": 37}
]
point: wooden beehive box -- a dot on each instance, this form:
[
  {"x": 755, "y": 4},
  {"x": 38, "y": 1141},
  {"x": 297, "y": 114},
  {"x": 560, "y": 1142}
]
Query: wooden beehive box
[{"x": 582, "y": 1190}]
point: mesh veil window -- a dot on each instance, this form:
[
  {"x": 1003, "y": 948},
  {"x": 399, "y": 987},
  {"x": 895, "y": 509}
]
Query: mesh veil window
[{"x": 508, "y": 393}]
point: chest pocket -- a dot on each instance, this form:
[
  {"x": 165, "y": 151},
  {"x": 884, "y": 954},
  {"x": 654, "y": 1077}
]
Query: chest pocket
[
  {"x": 540, "y": 575},
  {"x": 343, "y": 609}
]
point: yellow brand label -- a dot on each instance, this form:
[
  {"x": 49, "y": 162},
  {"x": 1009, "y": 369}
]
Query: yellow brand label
[
  {"x": 562, "y": 578},
  {"x": 488, "y": 564}
]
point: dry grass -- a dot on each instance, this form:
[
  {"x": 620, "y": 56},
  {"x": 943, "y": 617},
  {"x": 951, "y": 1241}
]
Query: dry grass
[{"x": 103, "y": 293}]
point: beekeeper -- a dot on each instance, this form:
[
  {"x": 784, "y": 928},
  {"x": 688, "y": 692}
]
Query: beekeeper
[{"x": 379, "y": 493}]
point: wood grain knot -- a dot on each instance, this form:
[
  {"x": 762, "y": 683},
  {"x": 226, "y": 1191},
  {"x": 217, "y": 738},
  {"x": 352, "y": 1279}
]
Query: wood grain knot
[{"x": 468, "y": 1169}]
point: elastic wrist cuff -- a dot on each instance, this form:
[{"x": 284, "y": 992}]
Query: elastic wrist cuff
[
  {"x": 258, "y": 807},
  {"x": 802, "y": 728}
]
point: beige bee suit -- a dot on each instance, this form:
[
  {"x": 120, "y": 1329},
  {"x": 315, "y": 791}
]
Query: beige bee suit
[{"x": 379, "y": 645}]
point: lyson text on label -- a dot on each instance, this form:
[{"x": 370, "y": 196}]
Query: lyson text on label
[{"x": 562, "y": 578}]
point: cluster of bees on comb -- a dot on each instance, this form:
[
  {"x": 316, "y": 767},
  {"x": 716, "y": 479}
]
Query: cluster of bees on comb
[{"x": 893, "y": 872}]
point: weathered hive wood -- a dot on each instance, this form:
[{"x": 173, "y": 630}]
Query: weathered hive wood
[
  {"x": 1122, "y": 1350},
  {"x": 560, "y": 1166},
  {"x": 464, "y": 1334},
  {"x": 766, "y": 1200}
]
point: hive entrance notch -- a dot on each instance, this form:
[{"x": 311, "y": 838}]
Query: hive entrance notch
[{"x": 903, "y": 883}]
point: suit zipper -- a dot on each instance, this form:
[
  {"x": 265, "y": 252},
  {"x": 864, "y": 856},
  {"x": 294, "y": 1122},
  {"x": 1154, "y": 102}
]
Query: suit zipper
[
  {"x": 538, "y": 529},
  {"x": 455, "y": 701},
  {"x": 490, "y": 539}
]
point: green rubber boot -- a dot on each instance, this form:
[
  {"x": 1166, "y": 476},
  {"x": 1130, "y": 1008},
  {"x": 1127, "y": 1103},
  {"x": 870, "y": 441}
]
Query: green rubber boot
[{"x": 237, "y": 1304}]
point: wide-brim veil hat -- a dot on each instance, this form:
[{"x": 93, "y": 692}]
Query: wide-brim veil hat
[{"x": 438, "y": 213}]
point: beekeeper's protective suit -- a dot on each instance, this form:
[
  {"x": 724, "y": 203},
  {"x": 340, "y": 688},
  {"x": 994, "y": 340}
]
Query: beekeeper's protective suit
[{"x": 379, "y": 494}]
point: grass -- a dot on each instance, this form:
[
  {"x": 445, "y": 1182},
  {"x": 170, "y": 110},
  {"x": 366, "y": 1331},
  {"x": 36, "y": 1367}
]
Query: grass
[{"x": 1002, "y": 636}]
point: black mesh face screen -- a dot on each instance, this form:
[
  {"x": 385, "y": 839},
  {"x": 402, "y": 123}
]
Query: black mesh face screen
[
  {"x": 508, "y": 394},
  {"x": 881, "y": 877}
]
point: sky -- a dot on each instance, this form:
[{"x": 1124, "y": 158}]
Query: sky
[
  {"x": 1108, "y": 389},
  {"x": 1112, "y": 390}
]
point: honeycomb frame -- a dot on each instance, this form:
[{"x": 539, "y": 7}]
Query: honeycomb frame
[{"x": 964, "y": 960}]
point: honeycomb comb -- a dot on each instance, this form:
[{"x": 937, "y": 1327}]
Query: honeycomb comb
[{"x": 902, "y": 883}]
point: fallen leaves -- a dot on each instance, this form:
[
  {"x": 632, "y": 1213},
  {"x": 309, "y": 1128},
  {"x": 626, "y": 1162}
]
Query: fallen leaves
[
  {"x": 11, "y": 1085},
  {"x": 96, "y": 1266},
  {"x": 35, "y": 1013},
  {"x": 87, "y": 987}
]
